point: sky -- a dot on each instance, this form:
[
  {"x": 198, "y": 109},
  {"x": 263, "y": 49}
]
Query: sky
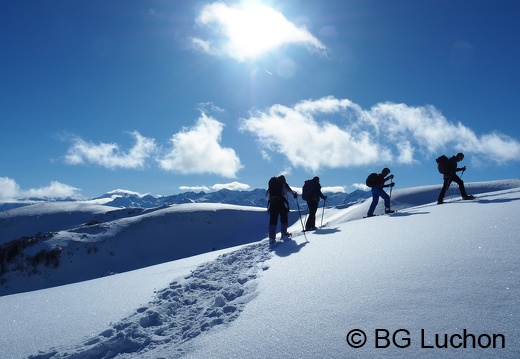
[
  {"x": 298, "y": 299},
  {"x": 161, "y": 97}
]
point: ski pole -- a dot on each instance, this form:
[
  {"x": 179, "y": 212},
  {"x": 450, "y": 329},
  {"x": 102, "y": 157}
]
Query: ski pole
[
  {"x": 391, "y": 186},
  {"x": 323, "y": 212},
  {"x": 300, "y": 215}
]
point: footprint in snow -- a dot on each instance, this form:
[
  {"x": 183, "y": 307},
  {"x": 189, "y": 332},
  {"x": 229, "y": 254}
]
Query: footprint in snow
[{"x": 215, "y": 293}]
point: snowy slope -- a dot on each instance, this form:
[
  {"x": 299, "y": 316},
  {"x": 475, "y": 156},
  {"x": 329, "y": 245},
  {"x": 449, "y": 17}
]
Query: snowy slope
[
  {"x": 92, "y": 246},
  {"x": 49, "y": 216},
  {"x": 440, "y": 269}
]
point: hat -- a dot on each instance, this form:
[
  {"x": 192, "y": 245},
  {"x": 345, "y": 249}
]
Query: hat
[{"x": 385, "y": 171}]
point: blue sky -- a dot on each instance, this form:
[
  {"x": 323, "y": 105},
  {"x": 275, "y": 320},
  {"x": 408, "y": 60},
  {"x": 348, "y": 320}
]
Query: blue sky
[{"x": 163, "y": 97}]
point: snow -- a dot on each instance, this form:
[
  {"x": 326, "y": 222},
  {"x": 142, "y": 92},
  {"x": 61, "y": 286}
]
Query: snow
[{"x": 426, "y": 273}]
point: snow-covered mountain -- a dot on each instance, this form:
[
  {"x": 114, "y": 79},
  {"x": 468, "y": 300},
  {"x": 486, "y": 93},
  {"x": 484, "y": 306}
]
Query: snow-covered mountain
[
  {"x": 432, "y": 275},
  {"x": 255, "y": 198},
  {"x": 124, "y": 198}
]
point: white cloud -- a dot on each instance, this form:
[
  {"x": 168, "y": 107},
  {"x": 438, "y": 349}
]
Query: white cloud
[
  {"x": 54, "y": 190},
  {"x": 9, "y": 189},
  {"x": 197, "y": 150},
  {"x": 334, "y": 189},
  {"x": 360, "y": 186},
  {"x": 310, "y": 143},
  {"x": 233, "y": 186},
  {"x": 335, "y": 133},
  {"x": 431, "y": 132},
  {"x": 125, "y": 192},
  {"x": 109, "y": 155},
  {"x": 248, "y": 30}
]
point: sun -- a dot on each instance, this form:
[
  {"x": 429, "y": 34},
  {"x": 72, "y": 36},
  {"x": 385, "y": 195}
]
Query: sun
[{"x": 247, "y": 31}]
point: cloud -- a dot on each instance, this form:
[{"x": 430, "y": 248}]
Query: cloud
[
  {"x": 334, "y": 189},
  {"x": 109, "y": 155},
  {"x": 54, "y": 190},
  {"x": 431, "y": 132},
  {"x": 233, "y": 186},
  {"x": 197, "y": 150},
  {"x": 9, "y": 189},
  {"x": 246, "y": 31},
  {"x": 360, "y": 186},
  {"x": 194, "y": 150},
  {"x": 337, "y": 133},
  {"x": 310, "y": 143}
]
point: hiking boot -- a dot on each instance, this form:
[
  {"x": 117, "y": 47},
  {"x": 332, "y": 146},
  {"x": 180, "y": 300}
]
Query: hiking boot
[
  {"x": 468, "y": 197},
  {"x": 272, "y": 241},
  {"x": 286, "y": 236},
  {"x": 440, "y": 201},
  {"x": 388, "y": 210},
  {"x": 371, "y": 215}
]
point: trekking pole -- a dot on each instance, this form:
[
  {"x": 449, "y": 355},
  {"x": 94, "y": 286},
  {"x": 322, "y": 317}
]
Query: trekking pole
[
  {"x": 462, "y": 174},
  {"x": 391, "y": 186},
  {"x": 323, "y": 212},
  {"x": 300, "y": 215}
]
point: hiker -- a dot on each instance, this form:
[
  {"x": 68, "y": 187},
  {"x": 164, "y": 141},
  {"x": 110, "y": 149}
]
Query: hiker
[
  {"x": 278, "y": 205},
  {"x": 450, "y": 175},
  {"x": 377, "y": 191},
  {"x": 311, "y": 193}
]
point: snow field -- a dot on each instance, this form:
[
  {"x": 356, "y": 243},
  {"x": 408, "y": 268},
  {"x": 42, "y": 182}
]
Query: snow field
[{"x": 429, "y": 273}]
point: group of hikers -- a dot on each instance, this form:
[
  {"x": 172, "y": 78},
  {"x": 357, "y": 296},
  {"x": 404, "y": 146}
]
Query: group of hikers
[{"x": 279, "y": 191}]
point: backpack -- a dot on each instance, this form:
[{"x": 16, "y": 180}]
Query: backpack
[
  {"x": 442, "y": 164},
  {"x": 372, "y": 180},
  {"x": 308, "y": 190},
  {"x": 275, "y": 188}
]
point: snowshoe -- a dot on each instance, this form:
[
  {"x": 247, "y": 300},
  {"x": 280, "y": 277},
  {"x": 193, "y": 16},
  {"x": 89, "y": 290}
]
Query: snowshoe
[{"x": 286, "y": 236}]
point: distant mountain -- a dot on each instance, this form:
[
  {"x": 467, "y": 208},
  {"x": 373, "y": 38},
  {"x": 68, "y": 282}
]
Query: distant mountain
[
  {"x": 255, "y": 198},
  {"x": 129, "y": 199}
]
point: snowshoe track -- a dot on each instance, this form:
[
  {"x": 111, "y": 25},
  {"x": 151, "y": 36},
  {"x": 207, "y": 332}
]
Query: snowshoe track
[{"x": 213, "y": 294}]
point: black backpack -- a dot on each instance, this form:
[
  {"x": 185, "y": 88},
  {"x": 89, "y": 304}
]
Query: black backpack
[
  {"x": 275, "y": 188},
  {"x": 308, "y": 190},
  {"x": 442, "y": 164},
  {"x": 371, "y": 180}
]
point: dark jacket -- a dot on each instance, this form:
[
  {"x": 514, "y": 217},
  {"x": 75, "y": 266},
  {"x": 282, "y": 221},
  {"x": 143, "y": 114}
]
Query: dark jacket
[
  {"x": 451, "y": 167},
  {"x": 381, "y": 181},
  {"x": 317, "y": 192}
]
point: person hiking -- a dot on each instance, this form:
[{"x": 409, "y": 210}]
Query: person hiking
[
  {"x": 278, "y": 206},
  {"x": 450, "y": 175},
  {"x": 311, "y": 193},
  {"x": 377, "y": 191}
]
